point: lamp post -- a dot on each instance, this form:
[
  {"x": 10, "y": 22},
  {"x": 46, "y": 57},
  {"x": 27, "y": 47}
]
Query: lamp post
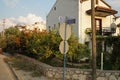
[
  {"x": 102, "y": 54},
  {"x": 93, "y": 40}
]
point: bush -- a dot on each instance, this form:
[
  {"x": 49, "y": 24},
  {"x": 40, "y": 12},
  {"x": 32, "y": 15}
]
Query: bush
[{"x": 45, "y": 46}]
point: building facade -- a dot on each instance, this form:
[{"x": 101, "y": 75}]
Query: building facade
[
  {"x": 80, "y": 10},
  {"x": 38, "y": 26}
]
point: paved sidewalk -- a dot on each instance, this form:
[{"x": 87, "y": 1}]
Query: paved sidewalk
[
  {"x": 22, "y": 75},
  {"x": 5, "y": 72}
]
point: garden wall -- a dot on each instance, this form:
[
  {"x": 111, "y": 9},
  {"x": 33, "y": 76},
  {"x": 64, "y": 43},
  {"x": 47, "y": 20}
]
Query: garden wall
[{"x": 56, "y": 73}]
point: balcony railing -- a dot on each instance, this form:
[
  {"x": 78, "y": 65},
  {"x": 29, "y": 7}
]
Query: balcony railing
[
  {"x": 105, "y": 31},
  {"x": 108, "y": 30}
]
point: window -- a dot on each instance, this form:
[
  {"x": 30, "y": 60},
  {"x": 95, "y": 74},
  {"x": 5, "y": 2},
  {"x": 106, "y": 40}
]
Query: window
[
  {"x": 87, "y": 43},
  {"x": 59, "y": 24},
  {"x": 49, "y": 28},
  {"x": 54, "y": 27},
  {"x": 98, "y": 24},
  {"x": 55, "y": 8}
]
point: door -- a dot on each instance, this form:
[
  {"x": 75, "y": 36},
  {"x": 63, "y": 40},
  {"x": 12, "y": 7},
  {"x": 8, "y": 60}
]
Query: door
[{"x": 98, "y": 25}]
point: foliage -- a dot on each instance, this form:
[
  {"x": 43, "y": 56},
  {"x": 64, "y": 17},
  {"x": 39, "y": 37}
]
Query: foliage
[
  {"x": 2, "y": 42},
  {"x": 77, "y": 51},
  {"x": 12, "y": 31},
  {"x": 115, "y": 56},
  {"x": 111, "y": 60},
  {"x": 12, "y": 39},
  {"x": 88, "y": 30},
  {"x": 44, "y": 45}
]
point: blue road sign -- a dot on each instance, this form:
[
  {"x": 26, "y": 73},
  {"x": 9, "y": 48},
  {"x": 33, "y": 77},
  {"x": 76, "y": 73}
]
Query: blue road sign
[{"x": 70, "y": 21}]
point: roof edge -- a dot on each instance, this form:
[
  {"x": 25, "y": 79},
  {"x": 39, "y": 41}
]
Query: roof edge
[
  {"x": 106, "y": 3},
  {"x": 52, "y": 7}
]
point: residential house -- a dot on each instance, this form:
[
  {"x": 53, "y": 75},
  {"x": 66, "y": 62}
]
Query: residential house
[
  {"x": 39, "y": 26},
  {"x": 80, "y": 10}
]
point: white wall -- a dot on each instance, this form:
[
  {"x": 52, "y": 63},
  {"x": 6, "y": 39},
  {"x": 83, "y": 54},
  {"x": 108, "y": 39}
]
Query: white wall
[
  {"x": 39, "y": 25},
  {"x": 84, "y": 19},
  {"x": 64, "y": 8}
]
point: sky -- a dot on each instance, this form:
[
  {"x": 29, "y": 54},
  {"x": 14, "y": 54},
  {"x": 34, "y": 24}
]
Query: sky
[
  {"x": 16, "y": 8},
  {"x": 115, "y": 4},
  {"x": 29, "y": 11}
]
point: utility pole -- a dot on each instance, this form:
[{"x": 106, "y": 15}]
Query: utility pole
[{"x": 93, "y": 40}]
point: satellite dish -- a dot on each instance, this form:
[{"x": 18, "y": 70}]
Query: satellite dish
[{"x": 113, "y": 27}]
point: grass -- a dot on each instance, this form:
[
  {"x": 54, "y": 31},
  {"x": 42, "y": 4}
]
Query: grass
[
  {"x": 59, "y": 63},
  {"x": 21, "y": 64}
]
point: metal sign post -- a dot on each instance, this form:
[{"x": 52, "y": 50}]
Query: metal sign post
[
  {"x": 64, "y": 69},
  {"x": 65, "y": 33}
]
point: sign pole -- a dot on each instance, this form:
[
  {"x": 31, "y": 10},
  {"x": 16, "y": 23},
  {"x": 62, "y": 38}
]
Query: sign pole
[
  {"x": 65, "y": 32},
  {"x": 64, "y": 68},
  {"x": 93, "y": 40}
]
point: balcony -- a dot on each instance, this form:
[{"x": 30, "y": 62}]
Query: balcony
[
  {"x": 105, "y": 31},
  {"x": 108, "y": 30}
]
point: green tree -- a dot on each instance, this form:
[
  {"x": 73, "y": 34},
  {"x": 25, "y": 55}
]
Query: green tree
[
  {"x": 77, "y": 50},
  {"x": 111, "y": 60},
  {"x": 2, "y": 42},
  {"x": 12, "y": 31},
  {"x": 115, "y": 56},
  {"x": 12, "y": 39}
]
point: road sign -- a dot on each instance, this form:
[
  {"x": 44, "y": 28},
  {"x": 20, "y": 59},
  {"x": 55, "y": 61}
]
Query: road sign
[
  {"x": 64, "y": 46},
  {"x": 65, "y": 32},
  {"x": 70, "y": 21}
]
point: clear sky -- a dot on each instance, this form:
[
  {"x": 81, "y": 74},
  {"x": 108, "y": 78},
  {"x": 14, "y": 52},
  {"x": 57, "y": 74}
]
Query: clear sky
[
  {"x": 115, "y": 4},
  {"x": 16, "y": 8}
]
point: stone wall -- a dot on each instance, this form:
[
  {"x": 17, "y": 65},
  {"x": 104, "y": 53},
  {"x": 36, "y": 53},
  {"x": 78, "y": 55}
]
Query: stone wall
[
  {"x": 80, "y": 74},
  {"x": 56, "y": 73}
]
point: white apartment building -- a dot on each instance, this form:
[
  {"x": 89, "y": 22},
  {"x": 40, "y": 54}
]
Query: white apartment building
[
  {"x": 39, "y": 26},
  {"x": 80, "y": 10}
]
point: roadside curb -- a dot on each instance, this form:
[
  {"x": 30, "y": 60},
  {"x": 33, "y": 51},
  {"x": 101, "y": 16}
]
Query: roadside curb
[{"x": 17, "y": 77}]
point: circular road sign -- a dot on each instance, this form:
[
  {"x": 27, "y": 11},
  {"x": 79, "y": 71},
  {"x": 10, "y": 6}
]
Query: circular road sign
[
  {"x": 62, "y": 47},
  {"x": 62, "y": 31}
]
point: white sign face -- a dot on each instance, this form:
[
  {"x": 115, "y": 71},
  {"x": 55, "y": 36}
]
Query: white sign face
[
  {"x": 65, "y": 33},
  {"x": 64, "y": 46}
]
